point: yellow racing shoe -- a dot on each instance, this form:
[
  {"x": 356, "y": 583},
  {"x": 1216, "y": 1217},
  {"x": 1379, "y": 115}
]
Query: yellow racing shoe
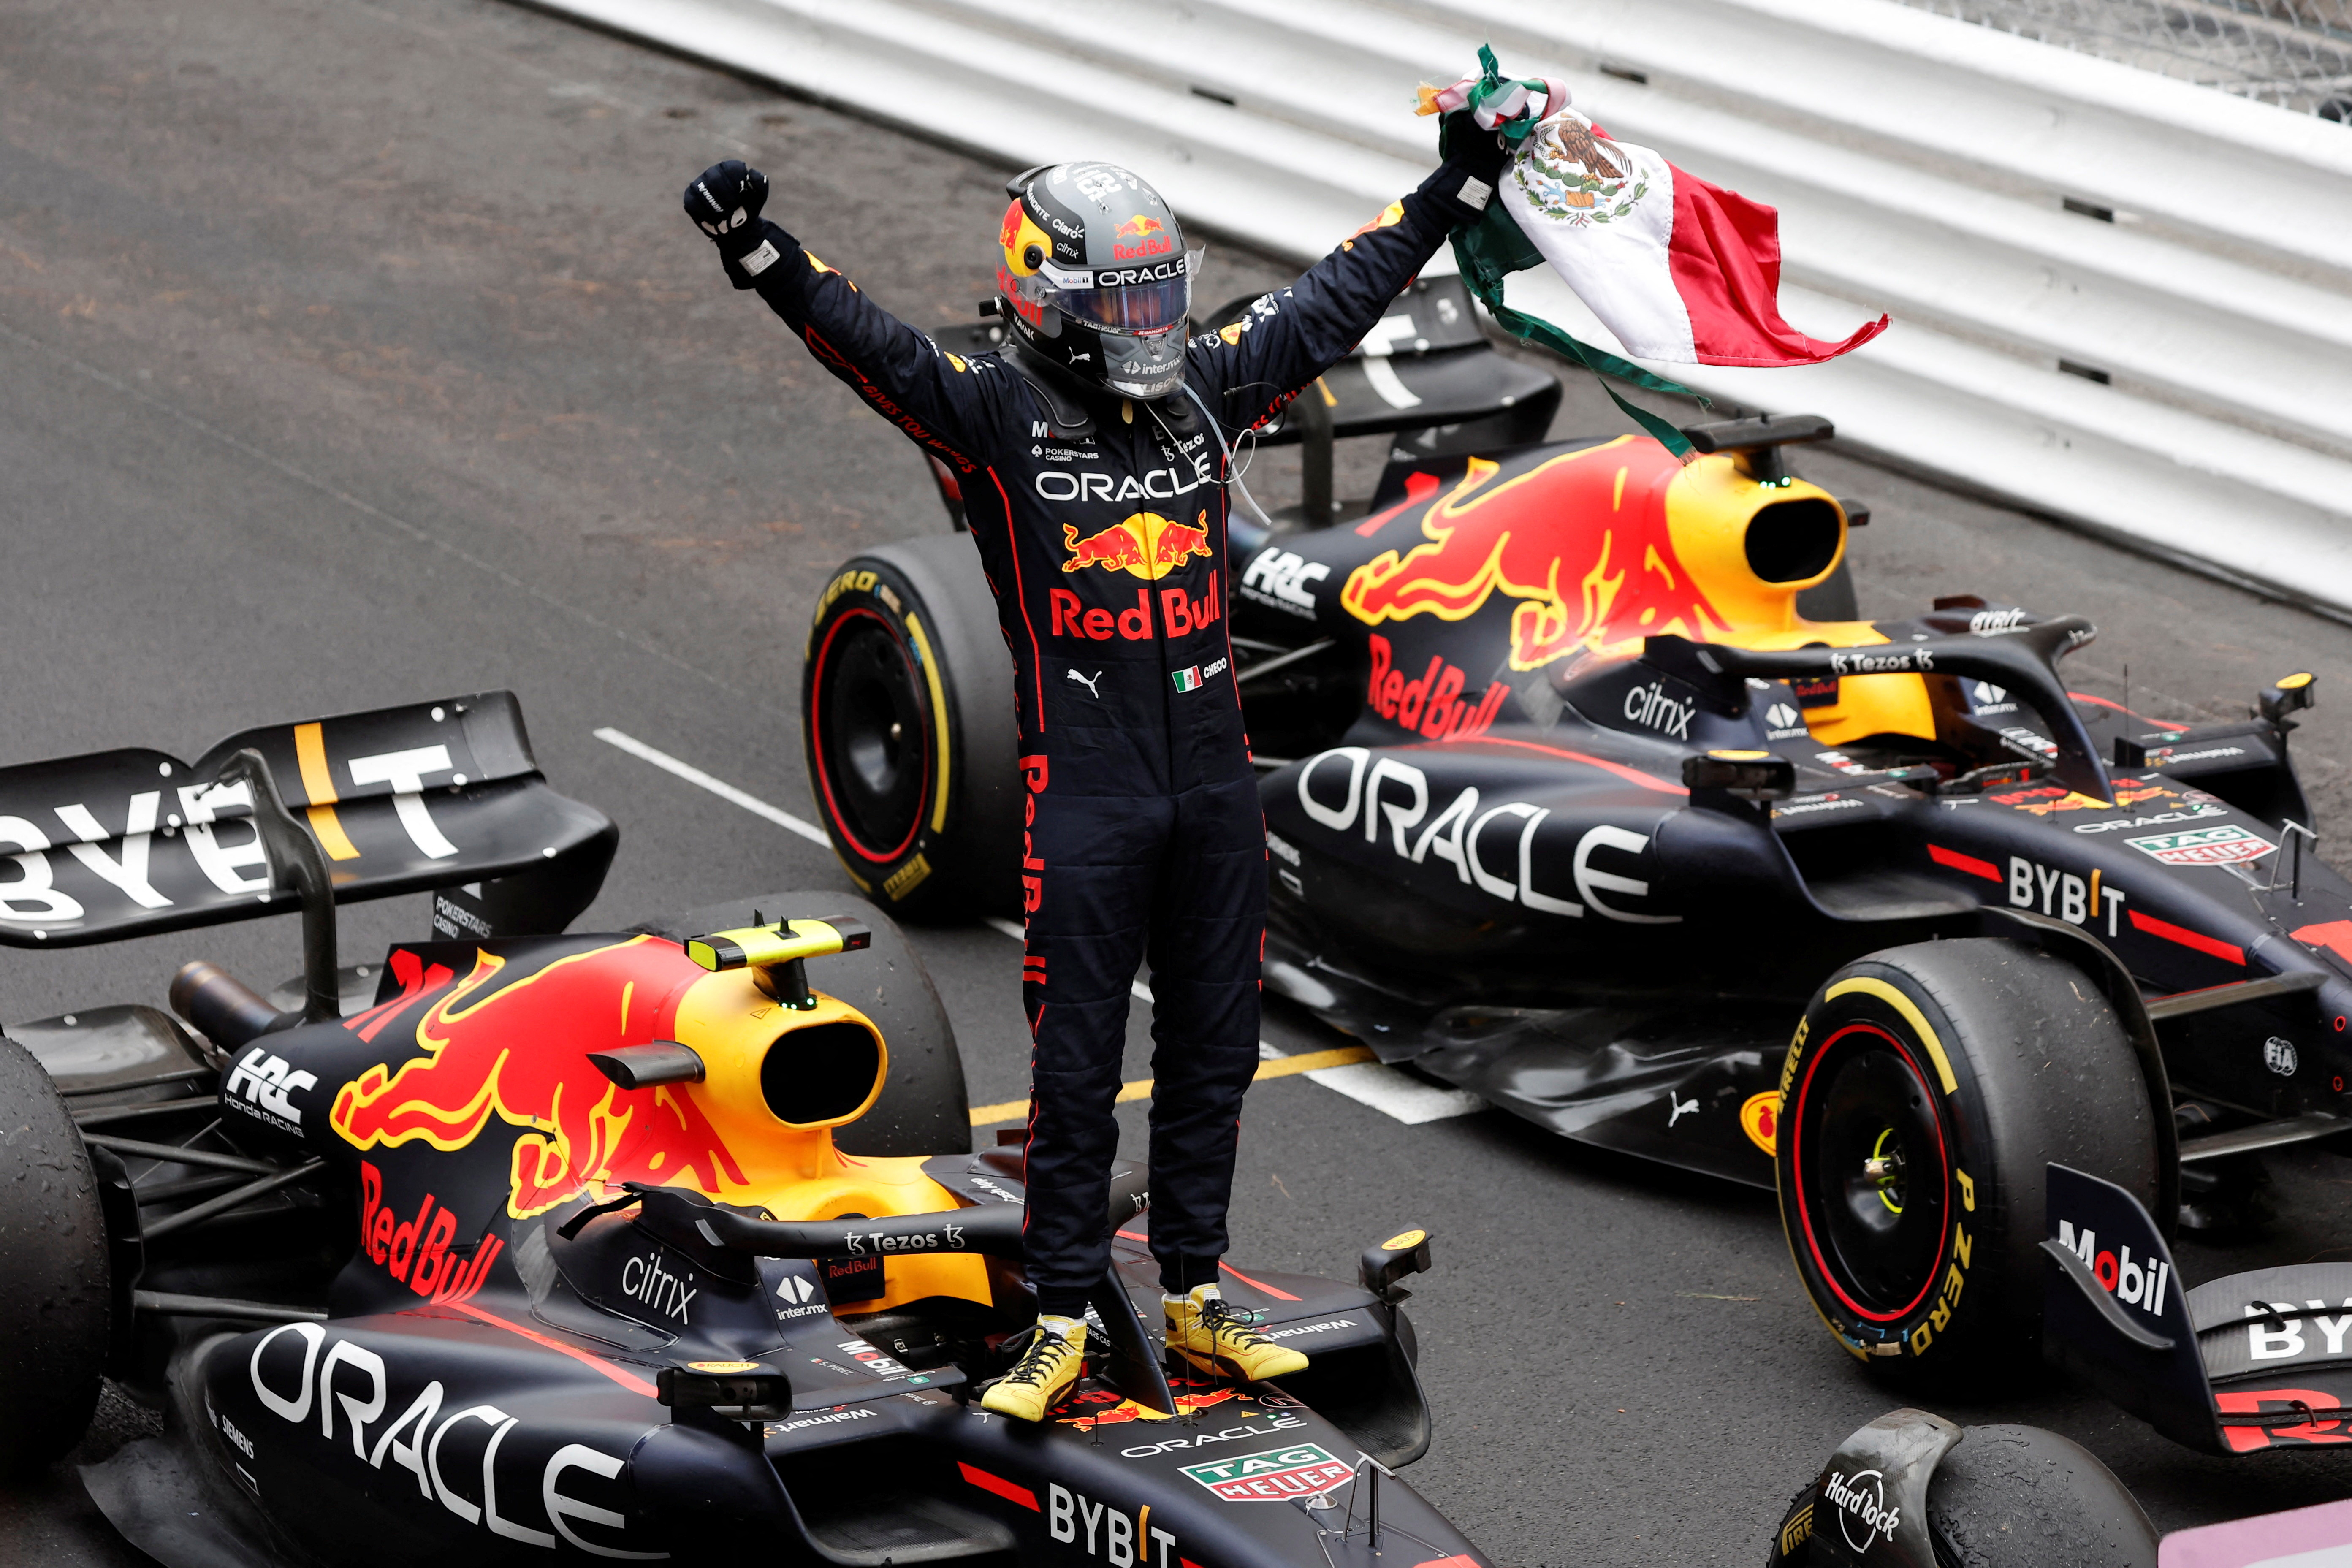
[
  {"x": 1056, "y": 1355},
  {"x": 1217, "y": 1338}
]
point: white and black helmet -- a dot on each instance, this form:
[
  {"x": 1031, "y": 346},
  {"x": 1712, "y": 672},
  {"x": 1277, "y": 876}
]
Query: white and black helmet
[{"x": 1094, "y": 276}]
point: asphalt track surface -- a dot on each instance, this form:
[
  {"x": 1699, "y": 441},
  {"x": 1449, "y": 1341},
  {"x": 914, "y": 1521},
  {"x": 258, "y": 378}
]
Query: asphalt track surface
[{"x": 353, "y": 353}]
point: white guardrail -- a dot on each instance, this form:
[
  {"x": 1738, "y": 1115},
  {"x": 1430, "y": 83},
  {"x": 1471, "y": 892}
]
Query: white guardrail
[{"x": 2184, "y": 255}]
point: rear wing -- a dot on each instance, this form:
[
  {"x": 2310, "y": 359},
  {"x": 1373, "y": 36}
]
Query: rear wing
[{"x": 435, "y": 796}]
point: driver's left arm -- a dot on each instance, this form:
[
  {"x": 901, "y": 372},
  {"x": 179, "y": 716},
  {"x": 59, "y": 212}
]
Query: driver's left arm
[{"x": 1287, "y": 338}]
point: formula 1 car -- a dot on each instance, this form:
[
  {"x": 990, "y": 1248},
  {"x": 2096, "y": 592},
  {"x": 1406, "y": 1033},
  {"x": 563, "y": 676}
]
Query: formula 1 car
[
  {"x": 1584, "y": 793},
  {"x": 521, "y": 1245}
]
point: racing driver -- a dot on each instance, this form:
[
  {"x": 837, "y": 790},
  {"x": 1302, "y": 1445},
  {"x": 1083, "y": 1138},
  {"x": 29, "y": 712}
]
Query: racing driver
[{"x": 1092, "y": 454}]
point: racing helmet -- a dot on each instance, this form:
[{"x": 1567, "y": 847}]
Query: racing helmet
[{"x": 1094, "y": 276}]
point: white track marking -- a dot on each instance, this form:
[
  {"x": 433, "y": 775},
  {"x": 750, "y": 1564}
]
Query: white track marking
[
  {"x": 719, "y": 787},
  {"x": 1397, "y": 1094}
]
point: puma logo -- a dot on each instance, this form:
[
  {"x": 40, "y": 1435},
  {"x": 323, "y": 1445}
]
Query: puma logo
[
  {"x": 1680, "y": 1108},
  {"x": 1089, "y": 682}
]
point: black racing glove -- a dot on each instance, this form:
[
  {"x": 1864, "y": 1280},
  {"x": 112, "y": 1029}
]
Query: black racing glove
[
  {"x": 1475, "y": 161},
  {"x": 1475, "y": 151},
  {"x": 724, "y": 202}
]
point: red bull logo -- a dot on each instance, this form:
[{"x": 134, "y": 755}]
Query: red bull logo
[
  {"x": 416, "y": 1251},
  {"x": 1141, "y": 237},
  {"x": 1580, "y": 542},
  {"x": 1430, "y": 706},
  {"x": 1146, "y": 544},
  {"x": 518, "y": 1052}
]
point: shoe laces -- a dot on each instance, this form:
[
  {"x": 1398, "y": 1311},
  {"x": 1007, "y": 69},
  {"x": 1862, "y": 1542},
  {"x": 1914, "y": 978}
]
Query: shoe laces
[
  {"x": 1221, "y": 1317},
  {"x": 1037, "y": 1356}
]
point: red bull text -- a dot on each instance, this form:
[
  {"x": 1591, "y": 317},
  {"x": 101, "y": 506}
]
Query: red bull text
[
  {"x": 1141, "y": 237},
  {"x": 1430, "y": 705}
]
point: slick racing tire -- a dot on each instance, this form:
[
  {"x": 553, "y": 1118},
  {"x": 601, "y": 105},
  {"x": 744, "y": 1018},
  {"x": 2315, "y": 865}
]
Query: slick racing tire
[
  {"x": 906, "y": 712},
  {"x": 923, "y": 1109},
  {"x": 1926, "y": 1090},
  {"x": 2010, "y": 1496},
  {"x": 55, "y": 1280}
]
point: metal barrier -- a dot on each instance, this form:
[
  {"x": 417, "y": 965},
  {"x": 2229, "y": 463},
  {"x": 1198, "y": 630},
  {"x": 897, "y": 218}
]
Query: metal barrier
[{"x": 2120, "y": 298}]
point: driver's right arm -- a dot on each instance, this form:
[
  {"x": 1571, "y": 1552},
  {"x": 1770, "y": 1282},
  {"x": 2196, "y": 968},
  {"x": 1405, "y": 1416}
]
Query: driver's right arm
[{"x": 941, "y": 400}]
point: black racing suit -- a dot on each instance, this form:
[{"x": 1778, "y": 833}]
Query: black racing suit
[{"x": 1101, "y": 525}]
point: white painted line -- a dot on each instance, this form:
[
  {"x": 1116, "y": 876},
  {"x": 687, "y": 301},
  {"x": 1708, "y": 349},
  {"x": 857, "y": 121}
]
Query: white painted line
[
  {"x": 1397, "y": 1094},
  {"x": 719, "y": 787}
]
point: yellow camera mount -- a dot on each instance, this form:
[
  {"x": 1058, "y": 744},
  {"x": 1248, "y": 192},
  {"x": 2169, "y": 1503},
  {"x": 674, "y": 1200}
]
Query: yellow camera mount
[{"x": 777, "y": 954}]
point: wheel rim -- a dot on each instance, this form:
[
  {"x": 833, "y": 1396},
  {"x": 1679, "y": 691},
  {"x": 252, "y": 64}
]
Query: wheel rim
[
  {"x": 1872, "y": 1173},
  {"x": 872, "y": 747}
]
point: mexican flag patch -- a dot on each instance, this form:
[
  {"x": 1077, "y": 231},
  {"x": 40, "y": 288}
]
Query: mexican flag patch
[{"x": 1186, "y": 679}]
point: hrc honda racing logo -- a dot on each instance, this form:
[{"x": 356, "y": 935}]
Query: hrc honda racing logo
[
  {"x": 262, "y": 1084},
  {"x": 1861, "y": 1502}
]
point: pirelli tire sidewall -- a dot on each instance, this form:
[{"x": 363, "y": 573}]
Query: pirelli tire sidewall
[
  {"x": 907, "y": 634},
  {"x": 56, "y": 1283},
  {"x": 2039, "y": 1070}
]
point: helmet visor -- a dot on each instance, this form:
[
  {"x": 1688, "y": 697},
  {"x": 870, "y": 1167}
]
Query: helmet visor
[{"x": 1139, "y": 300}]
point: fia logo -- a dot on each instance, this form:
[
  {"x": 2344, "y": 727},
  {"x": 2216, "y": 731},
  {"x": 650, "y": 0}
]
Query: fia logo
[{"x": 2278, "y": 1054}]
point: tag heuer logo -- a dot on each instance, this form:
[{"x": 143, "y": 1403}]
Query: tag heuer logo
[
  {"x": 2222, "y": 846},
  {"x": 1276, "y": 1475}
]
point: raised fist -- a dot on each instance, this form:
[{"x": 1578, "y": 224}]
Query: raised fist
[
  {"x": 725, "y": 202},
  {"x": 1483, "y": 154}
]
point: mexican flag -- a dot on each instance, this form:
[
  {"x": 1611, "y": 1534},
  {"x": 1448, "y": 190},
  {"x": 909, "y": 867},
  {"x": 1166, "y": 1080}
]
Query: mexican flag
[{"x": 1681, "y": 270}]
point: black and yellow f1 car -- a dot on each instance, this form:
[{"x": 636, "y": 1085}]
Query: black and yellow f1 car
[
  {"x": 519, "y": 1246},
  {"x": 1586, "y": 790}
]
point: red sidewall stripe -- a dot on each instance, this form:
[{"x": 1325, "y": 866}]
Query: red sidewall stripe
[
  {"x": 1796, "y": 1125},
  {"x": 816, "y": 735}
]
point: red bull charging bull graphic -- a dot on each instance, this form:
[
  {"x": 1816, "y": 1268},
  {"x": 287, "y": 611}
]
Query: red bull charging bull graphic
[
  {"x": 1139, "y": 237},
  {"x": 576, "y": 1126},
  {"x": 1581, "y": 541},
  {"x": 1145, "y": 544}
]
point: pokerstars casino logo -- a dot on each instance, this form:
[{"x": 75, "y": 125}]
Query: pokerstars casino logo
[
  {"x": 1863, "y": 1514},
  {"x": 1276, "y": 1475}
]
